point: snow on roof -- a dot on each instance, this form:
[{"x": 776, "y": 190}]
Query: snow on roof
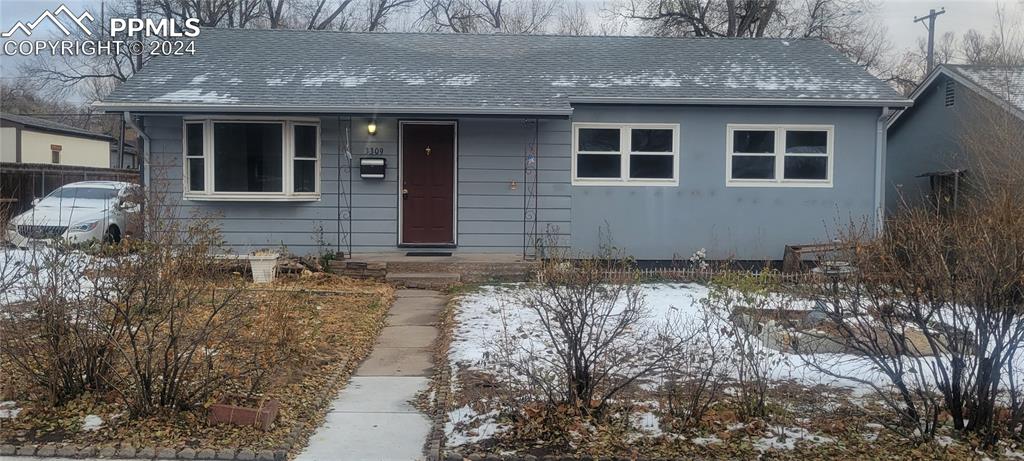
[
  {"x": 1004, "y": 82},
  {"x": 323, "y": 69}
]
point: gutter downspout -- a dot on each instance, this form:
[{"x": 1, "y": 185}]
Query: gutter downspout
[
  {"x": 145, "y": 146},
  {"x": 880, "y": 158}
]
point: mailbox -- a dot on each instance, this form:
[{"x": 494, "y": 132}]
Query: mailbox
[{"x": 372, "y": 168}]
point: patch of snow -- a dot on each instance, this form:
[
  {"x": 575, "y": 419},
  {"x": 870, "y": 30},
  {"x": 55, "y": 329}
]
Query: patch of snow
[
  {"x": 415, "y": 81},
  {"x": 646, "y": 422},
  {"x": 26, "y": 271},
  {"x": 91, "y": 423},
  {"x": 489, "y": 314},
  {"x": 563, "y": 82},
  {"x": 341, "y": 78},
  {"x": 195, "y": 95},
  {"x": 466, "y": 426},
  {"x": 158, "y": 79},
  {"x": 235, "y": 80},
  {"x": 278, "y": 81},
  {"x": 1013, "y": 454},
  {"x": 786, "y": 439},
  {"x": 198, "y": 79},
  {"x": 706, "y": 440},
  {"x": 9, "y": 409},
  {"x": 461, "y": 80}
]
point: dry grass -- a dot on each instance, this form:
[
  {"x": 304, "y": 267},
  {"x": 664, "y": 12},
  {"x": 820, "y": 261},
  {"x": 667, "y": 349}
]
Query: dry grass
[{"x": 331, "y": 324}]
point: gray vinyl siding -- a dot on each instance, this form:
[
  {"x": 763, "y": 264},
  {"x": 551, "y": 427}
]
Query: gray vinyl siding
[
  {"x": 925, "y": 139},
  {"x": 491, "y": 154},
  {"x": 248, "y": 226},
  {"x": 749, "y": 223}
]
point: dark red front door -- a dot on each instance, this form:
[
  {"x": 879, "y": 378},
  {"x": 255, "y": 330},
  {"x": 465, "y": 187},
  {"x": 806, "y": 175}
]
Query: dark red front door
[{"x": 428, "y": 184}]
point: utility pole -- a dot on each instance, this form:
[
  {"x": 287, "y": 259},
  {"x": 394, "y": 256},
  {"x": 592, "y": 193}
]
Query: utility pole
[{"x": 932, "y": 14}]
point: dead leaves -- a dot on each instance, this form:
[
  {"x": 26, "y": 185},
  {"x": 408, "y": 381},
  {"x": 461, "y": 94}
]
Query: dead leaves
[{"x": 326, "y": 333}]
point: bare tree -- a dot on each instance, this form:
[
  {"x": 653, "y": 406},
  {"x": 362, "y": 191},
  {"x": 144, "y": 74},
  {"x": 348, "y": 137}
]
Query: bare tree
[
  {"x": 703, "y": 18},
  {"x": 505, "y": 16},
  {"x": 325, "y": 14},
  {"x": 573, "y": 20},
  {"x": 379, "y": 11},
  {"x": 450, "y": 15}
]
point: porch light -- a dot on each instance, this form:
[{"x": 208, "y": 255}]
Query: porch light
[{"x": 371, "y": 128}]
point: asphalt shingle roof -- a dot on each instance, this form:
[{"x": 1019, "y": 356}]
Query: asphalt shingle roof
[
  {"x": 335, "y": 71},
  {"x": 47, "y": 125},
  {"x": 1004, "y": 82}
]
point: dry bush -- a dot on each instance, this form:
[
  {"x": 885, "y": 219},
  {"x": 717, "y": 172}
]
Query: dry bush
[
  {"x": 695, "y": 382},
  {"x": 739, "y": 300},
  {"x": 937, "y": 307},
  {"x": 937, "y": 303},
  {"x": 155, "y": 322},
  {"x": 596, "y": 341}
]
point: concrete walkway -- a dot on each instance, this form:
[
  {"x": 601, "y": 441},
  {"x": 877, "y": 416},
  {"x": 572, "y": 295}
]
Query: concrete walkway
[{"x": 372, "y": 418}]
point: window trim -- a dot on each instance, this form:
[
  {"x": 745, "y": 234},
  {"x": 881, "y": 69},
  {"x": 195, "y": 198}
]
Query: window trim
[
  {"x": 779, "y": 155},
  {"x": 287, "y": 158},
  {"x": 624, "y": 153}
]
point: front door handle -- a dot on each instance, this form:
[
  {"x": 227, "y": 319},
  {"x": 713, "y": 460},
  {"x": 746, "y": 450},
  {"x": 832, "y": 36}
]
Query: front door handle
[{"x": 405, "y": 192}]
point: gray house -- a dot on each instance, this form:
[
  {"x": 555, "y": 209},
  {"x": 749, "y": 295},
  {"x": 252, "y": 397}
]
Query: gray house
[
  {"x": 928, "y": 143},
  {"x": 377, "y": 142}
]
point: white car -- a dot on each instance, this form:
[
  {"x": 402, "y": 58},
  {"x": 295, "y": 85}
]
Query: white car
[{"x": 80, "y": 212}]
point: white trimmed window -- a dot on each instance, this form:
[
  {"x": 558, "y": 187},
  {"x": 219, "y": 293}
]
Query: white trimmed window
[
  {"x": 779, "y": 155},
  {"x": 251, "y": 159},
  {"x": 613, "y": 154}
]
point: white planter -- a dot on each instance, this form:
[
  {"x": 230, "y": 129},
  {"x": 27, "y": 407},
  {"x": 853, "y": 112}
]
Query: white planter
[{"x": 264, "y": 268}]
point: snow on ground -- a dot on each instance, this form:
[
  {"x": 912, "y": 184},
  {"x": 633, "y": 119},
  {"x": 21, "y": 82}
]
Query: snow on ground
[
  {"x": 491, "y": 314},
  {"x": 9, "y": 409},
  {"x": 21, "y": 269},
  {"x": 91, "y": 423},
  {"x": 466, "y": 426},
  {"x": 786, "y": 438},
  {"x": 486, "y": 315}
]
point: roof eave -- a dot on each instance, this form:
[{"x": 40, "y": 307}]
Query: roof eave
[
  {"x": 745, "y": 101},
  {"x": 952, "y": 73},
  {"x": 284, "y": 109}
]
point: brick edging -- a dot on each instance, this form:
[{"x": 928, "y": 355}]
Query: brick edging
[
  {"x": 166, "y": 453},
  {"x": 442, "y": 385}
]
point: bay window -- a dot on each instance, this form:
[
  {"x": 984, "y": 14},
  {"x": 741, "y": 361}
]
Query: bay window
[
  {"x": 251, "y": 159},
  {"x": 625, "y": 154},
  {"x": 779, "y": 155}
]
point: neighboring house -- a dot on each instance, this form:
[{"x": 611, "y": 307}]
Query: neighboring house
[
  {"x": 485, "y": 143},
  {"x": 32, "y": 140},
  {"x": 954, "y": 106},
  {"x": 128, "y": 159}
]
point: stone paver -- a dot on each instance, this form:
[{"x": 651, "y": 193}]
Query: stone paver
[{"x": 372, "y": 418}]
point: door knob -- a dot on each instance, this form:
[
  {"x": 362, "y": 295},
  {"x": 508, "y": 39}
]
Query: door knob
[{"x": 405, "y": 191}]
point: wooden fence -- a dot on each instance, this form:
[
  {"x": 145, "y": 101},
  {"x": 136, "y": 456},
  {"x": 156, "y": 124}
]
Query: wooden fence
[{"x": 20, "y": 183}]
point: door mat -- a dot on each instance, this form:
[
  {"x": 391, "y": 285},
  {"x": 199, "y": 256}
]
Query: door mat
[{"x": 429, "y": 253}]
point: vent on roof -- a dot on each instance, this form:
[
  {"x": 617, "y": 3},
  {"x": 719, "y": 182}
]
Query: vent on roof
[{"x": 950, "y": 93}]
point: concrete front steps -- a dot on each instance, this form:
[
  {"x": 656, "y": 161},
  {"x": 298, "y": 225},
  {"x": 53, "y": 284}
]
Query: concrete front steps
[
  {"x": 437, "y": 272},
  {"x": 425, "y": 280}
]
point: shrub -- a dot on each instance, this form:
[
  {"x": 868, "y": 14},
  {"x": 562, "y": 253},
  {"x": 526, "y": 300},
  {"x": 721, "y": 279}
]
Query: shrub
[{"x": 596, "y": 341}]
